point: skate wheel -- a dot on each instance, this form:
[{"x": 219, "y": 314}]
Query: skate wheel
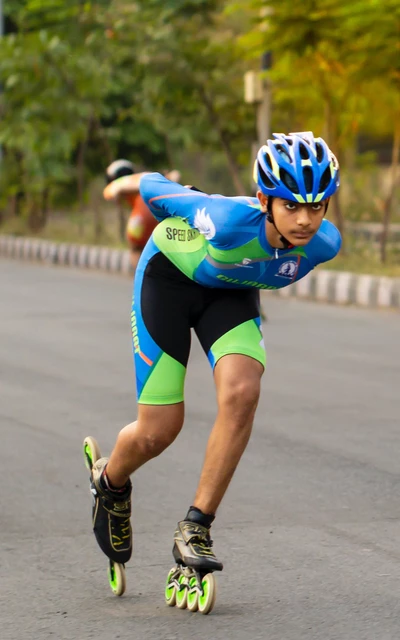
[
  {"x": 91, "y": 451},
  {"x": 193, "y": 595},
  {"x": 117, "y": 578},
  {"x": 181, "y": 594},
  {"x": 207, "y": 600},
  {"x": 170, "y": 589}
]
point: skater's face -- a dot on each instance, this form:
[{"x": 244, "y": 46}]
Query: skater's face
[{"x": 297, "y": 222}]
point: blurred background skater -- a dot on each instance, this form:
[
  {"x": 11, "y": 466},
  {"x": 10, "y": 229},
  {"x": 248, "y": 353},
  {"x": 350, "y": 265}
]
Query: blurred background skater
[{"x": 123, "y": 179}]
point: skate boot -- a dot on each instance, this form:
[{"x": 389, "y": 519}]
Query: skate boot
[
  {"x": 193, "y": 547},
  {"x": 191, "y": 582},
  {"x": 111, "y": 517}
]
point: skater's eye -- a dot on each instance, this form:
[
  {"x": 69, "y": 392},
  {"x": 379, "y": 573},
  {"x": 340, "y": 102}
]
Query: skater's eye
[{"x": 290, "y": 206}]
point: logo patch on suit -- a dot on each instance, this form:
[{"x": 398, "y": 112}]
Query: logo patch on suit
[
  {"x": 204, "y": 224},
  {"x": 288, "y": 269}
]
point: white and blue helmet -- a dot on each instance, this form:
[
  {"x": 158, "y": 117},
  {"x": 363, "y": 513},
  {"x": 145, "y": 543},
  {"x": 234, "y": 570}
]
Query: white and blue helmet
[
  {"x": 118, "y": 169},
  {"x": 297, "y": 167}
]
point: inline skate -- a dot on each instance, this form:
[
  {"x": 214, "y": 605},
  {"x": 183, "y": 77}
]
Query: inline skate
[
  {"x": 111, "y": 513},
  {"x": 191, "y": 583}
]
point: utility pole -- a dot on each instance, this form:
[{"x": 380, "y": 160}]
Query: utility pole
[
  {"x": 264, "y": 107},
  {"x": 258, "y": 91}
]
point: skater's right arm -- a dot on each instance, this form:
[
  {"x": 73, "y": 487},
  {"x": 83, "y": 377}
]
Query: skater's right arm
[
  {"x": 221, "y": 220},
  {"x": 167, "y": 199}
]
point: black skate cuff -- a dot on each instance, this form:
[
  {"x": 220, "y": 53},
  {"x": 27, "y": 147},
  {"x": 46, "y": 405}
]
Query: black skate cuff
[{"x": 196, "y": 515}]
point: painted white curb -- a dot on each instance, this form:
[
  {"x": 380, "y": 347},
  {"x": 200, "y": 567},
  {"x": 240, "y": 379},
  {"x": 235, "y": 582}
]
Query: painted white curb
[
  {"x": 81, "y": 256},
  {"x": 337, "y": 287}
]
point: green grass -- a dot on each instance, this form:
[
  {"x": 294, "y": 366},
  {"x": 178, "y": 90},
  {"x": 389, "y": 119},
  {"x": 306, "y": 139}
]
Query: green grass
[
  {"x": 365, "y": 260},
  {"x": 70, "y": 230}
]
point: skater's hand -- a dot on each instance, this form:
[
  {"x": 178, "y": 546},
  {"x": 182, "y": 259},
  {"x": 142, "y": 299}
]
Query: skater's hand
[{"x": 173, "y": 175}]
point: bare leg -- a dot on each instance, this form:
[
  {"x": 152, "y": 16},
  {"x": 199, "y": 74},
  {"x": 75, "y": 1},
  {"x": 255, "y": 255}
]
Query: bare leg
[
  {"x": 154, "y": 430},
  {"x": 237, "y": 379}
]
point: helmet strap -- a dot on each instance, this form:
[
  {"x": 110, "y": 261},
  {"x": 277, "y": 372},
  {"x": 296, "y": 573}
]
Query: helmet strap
[{"x": 270, "y": 218}]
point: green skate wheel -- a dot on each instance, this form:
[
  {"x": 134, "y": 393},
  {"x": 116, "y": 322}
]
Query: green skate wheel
[
  {"x": 117, "y": 578},
  {"x": 170, "y": 589},
  {"x": 207, "y": 600},
  {"x": 181, "y": 594},
  {"x": 91, "y": 451},
  {"x": 193, "y": 595}
]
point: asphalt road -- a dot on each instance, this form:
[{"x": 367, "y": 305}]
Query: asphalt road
[{"x": 309, "y": 531}]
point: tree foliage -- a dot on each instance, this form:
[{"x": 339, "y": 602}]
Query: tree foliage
[
  {"x": 336, "y": 68},
  {"x": 86, "y": 81}
]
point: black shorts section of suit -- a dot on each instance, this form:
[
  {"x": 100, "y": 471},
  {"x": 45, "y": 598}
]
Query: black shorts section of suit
[{"x": 172, "y": 304}]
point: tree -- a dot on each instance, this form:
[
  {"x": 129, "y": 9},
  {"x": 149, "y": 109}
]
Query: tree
[
  {"x": 326, "y": 53},
  {"x": 85, "y": 82},
  {"x": 191, "y": 75},
  {"x": 57, "y": 76}
]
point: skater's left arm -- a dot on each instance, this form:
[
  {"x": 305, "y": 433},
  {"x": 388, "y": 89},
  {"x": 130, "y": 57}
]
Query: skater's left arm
[{"x": 325, "y": 245}]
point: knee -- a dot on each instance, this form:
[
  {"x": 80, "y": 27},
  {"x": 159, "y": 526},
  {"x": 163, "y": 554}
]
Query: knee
[
  {"x": 153, "y": 439},
  {"x": 240, "y": 397},
  {"x": 151, "y": 445}
]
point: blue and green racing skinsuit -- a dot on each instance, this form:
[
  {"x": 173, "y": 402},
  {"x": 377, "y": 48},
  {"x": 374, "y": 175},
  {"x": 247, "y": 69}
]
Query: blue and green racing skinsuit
[{"x": 214, "y": 247}]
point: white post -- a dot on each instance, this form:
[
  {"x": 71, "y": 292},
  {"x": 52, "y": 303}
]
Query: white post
[
  {"x": 264, "y": 114},
  {"x": 258, "y": 91}
]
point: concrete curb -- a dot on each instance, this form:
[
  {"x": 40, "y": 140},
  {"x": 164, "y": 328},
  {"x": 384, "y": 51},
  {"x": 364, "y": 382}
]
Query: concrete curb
[
  {"x": 341, "y": 287},
  {"x": 72, "y": 255},
  {"x": 338, "y": 287}
]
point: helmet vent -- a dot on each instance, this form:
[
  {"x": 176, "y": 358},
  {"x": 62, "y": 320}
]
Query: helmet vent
[
  {"x": 268, "y": 160},
  {"x": 308, "y": 179},
  {"x": 304, "y": 155},
  {"x": 282, "y": 152},
  {"x": 264, "y": 179},
  {"x": 320, "y": 151},
  {"x": 335, "y": 161},
  {"x": 325, "y": 180},
  {"x": 289, "y": 181}
]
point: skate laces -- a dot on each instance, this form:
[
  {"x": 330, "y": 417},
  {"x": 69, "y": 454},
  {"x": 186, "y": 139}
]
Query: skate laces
[
  {"x": 120, "y": 513},
  {"x": 199, "y": 535},
  {"x": 123, "y": 529},
  {"x": 120, "y": 523}
]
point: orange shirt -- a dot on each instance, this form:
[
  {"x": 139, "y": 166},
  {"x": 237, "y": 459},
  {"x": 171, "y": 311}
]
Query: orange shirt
[{"x": 141, "y": 222}]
